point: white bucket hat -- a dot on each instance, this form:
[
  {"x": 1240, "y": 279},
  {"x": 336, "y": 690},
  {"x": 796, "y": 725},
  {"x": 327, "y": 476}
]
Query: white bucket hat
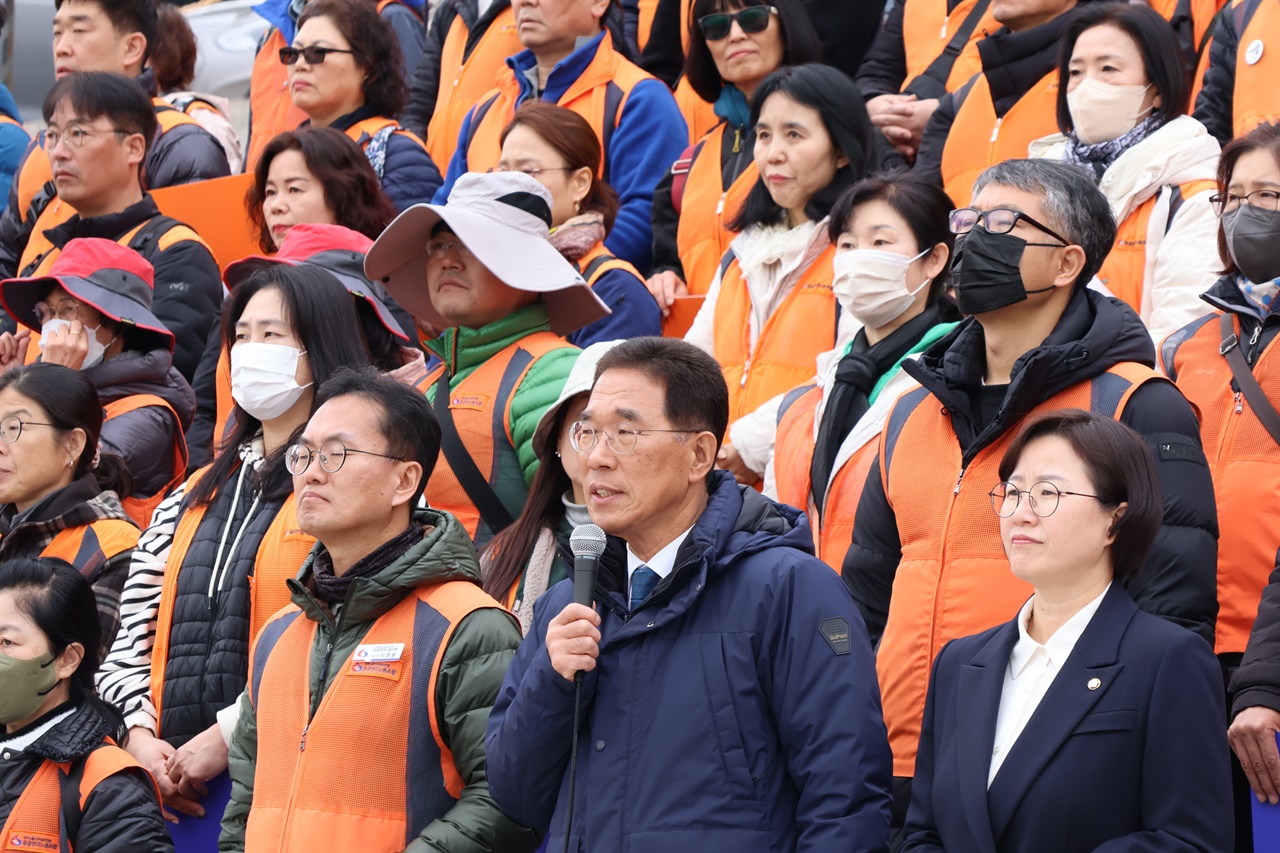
[
  {"x": 503, "y": 218},
  {"x": 581, "y": 377}
]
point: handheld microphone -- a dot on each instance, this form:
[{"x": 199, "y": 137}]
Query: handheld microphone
[{"x": 587, "y": 543}]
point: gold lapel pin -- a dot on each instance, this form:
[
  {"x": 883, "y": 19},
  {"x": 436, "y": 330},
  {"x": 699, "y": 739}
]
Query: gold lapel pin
[{"x": 1095, "y": 683}]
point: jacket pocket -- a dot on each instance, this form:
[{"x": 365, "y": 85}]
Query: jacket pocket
[
  {"x": 1107, "y": 721},
  {"x": 726, "y": 731}
]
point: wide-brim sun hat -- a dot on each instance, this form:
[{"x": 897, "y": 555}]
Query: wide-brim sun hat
[
  {"x": 338, "y": 251},
  {"x": 503, "y": 218},
  {"x": 111, "y": 278},
  {"x": 581, "y": 377}
]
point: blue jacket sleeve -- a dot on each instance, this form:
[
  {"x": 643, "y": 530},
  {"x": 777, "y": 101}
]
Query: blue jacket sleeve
[
  {"x": 635, "y": 314},
  {"x": 408, "y": 176},
  {"x": 458, "y": 165},
  {"x": 531, "y": 725},
  {"x": 823, "y": 691},
  {"x": 13, "y": 145},
  {"x": 650, "y": 136}
]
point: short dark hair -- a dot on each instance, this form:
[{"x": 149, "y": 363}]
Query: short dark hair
[
  {"x": 925, "y": 206},
  {"x": 1121, "y": 470},
  {"x": 1162, "y": 57},
  {"x": 696, "y": 396},
  {"x": 375, "y": 47},
  {"x": 405, "y": 421},
  {"x": 61, "y": 602},
  {"x": 844, "y": 113},
  {"x": 94, "y": 94},
  {"x": 1071, "y": 201},
  {"x": 173, "y": 60},
  {"x": 800, "y": 41},
  {"x": 351, "y": 187},
  {"x": 128, "y": 16},
  {"x": 1264, "y": 137}
]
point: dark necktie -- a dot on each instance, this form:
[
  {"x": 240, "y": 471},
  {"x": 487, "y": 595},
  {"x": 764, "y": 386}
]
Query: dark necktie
[{"x": 642, "y": 583}]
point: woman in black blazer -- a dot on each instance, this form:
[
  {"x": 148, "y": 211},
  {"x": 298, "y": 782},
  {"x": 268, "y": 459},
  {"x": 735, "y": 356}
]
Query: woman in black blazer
[{"x": 1084, "y": 724}]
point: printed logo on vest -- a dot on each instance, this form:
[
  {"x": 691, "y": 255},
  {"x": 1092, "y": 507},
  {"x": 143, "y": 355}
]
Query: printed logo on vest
[
  {"x": 378, "y": 652},
  {"x": 469, "y": 401},
  {"x": 388, "y": 670},
  {"x": 31, "y": 841},
  {"x": 836, "y": 632}
]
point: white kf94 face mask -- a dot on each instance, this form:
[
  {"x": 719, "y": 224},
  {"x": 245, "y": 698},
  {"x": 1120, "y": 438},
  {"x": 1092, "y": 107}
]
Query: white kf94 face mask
[
  {"x": 262, "y": 378},
  {"x": 97, "y": 349},
  {"x": 872, "y": 284},
  {"x": 1101, "y": 111}
]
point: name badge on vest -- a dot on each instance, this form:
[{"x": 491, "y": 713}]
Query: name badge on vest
[
  {"x": 32, "y": 841},
  {"x": 378, "y": 652}
]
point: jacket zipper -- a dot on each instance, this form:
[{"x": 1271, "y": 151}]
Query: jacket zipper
[
  {"x": 746, "y": 368},
  {"x": 995, "y": 131}
]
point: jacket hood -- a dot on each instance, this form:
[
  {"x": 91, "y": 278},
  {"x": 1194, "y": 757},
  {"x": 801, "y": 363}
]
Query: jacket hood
[
  {"x": 151, "y": 372},
  {"x": 1094, "y": 334},
  {"x": 444, "y": 554},
  {"x": 73, "y": 737}
]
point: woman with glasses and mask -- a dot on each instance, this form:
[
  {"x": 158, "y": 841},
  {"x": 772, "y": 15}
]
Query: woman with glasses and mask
[
  {"x": 211, "y": 568},
  {"x": 733, "y": 46},
  {"x": 59, "y": 492},
  {"x": 345, "y": 71},
  {"x": 1123, "y": 91},
  {"x": 1084, "y": 723},
  {"x": 1226, "y": 363}
]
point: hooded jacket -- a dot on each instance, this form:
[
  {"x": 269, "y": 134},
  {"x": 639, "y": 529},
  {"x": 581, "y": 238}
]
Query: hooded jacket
[
  {"x": 120, "y": 815},
  {"x": 143, "y": 437},
  {"x": 467, "y": 682},
  {"x": 735, "y": 710}
]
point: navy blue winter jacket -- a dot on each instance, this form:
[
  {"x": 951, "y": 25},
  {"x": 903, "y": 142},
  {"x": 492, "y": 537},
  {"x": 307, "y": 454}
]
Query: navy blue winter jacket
[{"x": 736, "y": 711}]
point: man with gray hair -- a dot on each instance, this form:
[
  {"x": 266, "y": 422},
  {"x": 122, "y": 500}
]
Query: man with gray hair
[{"x": 927, "y": 564}]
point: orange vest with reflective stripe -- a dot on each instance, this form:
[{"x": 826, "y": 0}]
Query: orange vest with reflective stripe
[
  {"x": 36, "y": 820},
  {"x": 1257, "y": 88},
  {"x": 481, "y": 409},
  {"x": 792, "y": 459},
  {"x": 40, "y": 254},
  {"x": 599, "y": 95},
  {"x": 465, "y": 78},
  {"x": 271, "y": 109},
  {"x": 706, "y": 209},
  {"x": 978, "y": 139},
  {"x": 954, "y": 578},
  {"x": 283, "y": 550},
  {"x": 378, "y": 708},
  {"x": 1245, "y": 463},
  {"x": 91, "y": 546},
  {"x": 362, "y": 132},
  {"x": 926, "y": 30},
  {"x": 801, "y": 328},
  {"x": 598, "y": 261},
  {"x": 1124, "y": 272},
  {"x": 140, "y": 508}
]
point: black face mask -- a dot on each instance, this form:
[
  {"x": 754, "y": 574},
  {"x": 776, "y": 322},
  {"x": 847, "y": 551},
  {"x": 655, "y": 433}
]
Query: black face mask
[
  {"x": 1253, "y": 237},
  {"x": 986, "y": 273}
]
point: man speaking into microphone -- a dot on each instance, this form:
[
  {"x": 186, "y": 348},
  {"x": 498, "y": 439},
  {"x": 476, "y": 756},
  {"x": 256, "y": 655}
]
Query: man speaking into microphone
[{"x": 729, "y": 698}]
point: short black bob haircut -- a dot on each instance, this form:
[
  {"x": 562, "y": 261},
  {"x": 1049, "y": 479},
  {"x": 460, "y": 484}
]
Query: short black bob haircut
[{"x": 800, "y": 41}]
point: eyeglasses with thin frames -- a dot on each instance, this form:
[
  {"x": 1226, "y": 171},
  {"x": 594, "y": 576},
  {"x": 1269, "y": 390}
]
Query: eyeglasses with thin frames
[
  {"x": 1268, "y": 201},
  {"x": 622, "y": 438},
  {"x": 66, "y": 309},
  {"x": 314, "y": 54},
  {"x": 77, "y": 136},
  {"x": 1042, "y": 497},
  {"x": 333, "y": 454},
  {"x": 12, "y": 426},
  {"x": 437, "y": 249}
]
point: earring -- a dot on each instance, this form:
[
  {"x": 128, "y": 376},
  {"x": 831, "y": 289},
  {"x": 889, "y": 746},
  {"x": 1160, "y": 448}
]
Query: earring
[
  {"x": 577, "y": 206},
  {"x": 558, "y": 454}
]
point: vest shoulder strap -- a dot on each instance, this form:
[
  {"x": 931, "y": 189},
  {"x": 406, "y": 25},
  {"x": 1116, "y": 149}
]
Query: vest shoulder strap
[
  {"x": 478, "y": 113},
  {"x": 614, "y": 99},
  {"x": 264, "y": 644},
  {"x": 940, "y": 69},
  {"x": 1263, "y": 409},
  {"x": 190, "y": 101},
  {"x": 600, "y": 265},
  {"x": 726, "y": 262},
  {"x": 791, "y": 398},
  {"x": 680, "y": 174},
  {"x": 898, "y": 417},
  {"x": 1179, "y": 193},
  {"x": 159, "y": 232},
  {"x": 79, "y": 779},
  {"x": 1170, "y": 346},
  {"x": 169, "y": 117}
]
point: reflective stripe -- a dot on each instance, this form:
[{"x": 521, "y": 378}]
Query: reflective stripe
[
  {"x": 427, "y": 797},
  {"x": 902, "y": 411},
  {"x": 262, "y": 649}
]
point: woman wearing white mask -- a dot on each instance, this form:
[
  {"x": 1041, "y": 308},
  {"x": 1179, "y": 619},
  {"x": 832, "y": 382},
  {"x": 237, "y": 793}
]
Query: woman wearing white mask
[
  {"x": 892, "y": 247},
  {"x": 1123, "y": 93},
  {"x": 212, "y": 566}
]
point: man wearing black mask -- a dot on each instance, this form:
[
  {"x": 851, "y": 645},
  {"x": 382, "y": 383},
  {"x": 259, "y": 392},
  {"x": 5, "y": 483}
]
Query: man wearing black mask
[{"x": 927, "y": 564}]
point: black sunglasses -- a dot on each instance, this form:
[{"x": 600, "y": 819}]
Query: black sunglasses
[
  {"x": 753, "y": 19},
  {"x": 313, "y": 54}
]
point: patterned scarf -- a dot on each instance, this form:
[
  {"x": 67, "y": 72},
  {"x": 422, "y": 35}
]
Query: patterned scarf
[
  {"x": 1101, "y": 155},
  {"x": 1261, "y": 296},
  {"x": 578, "y": 235}
]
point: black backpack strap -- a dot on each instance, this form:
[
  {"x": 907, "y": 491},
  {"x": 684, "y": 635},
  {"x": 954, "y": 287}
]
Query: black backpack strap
[
  {"x": 935, "y": 86},
  {"x": 613, "y": 98},
  {"x": 69, "y": 815},
  {"x": 150, "y": 233},
  {"x": 473, "y": 482},
  {"x": 1247, "y": 382}
]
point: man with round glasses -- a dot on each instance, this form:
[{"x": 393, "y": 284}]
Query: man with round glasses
[
  {"x": 368, "y": 696},
  {"x": 926, "y": 565}
]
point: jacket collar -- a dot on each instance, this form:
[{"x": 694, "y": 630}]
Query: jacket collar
[
  {"x": 1014, "y": 62},
  {"x": 346, "y": 122},
  {"x": 72, "y": 736},
  {"x": 110, "y": 226},
  {"x": 463, "y": 349},
  {"x": 79, "y": 502},
  {"x": 567, "y": 74}
]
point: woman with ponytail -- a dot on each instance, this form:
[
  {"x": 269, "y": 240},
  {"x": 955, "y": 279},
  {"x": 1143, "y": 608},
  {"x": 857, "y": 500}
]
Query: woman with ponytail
[{"x": 59, "y": 493}]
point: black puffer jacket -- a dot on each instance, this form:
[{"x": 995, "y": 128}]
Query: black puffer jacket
[
  {"x": 1179, "y": 580},
  {"x": 1215, "y": 105},
  {"x": 144, "y": 437},
  {"x": 1257, "y": 680},
  {"x": 120, "y": 816}
]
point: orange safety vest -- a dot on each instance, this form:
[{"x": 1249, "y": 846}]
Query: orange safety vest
[
  {"x": 792, "y": 459},
  {"x": 800, "y": 329},
  {"x": 377, "y": 705},
  {"x": 283, "y": 550},
  {"x": 36, "y": 820},
  {"x": 598, "y": 261},
  {"x": 481, "y": 409},
  {"x": 465, "y": 78},
  {"x": 91, "y": 546},
  {"x": 1257, "y": 93},
  {"x": 927, "y": 28},
  {"x": 271, "y": 109},
  {"x": 1245, "y": 463},
  {"x": 978, "y": 139},
  {"x": 953, "y": 579},
  {"x": 1124, "y": 272},
  {"x": 599, "y": 95},
  {"x": 706, "y": 207},
  {"x": 141, "y": 508},
  {"x": 698, "y": 114}
]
